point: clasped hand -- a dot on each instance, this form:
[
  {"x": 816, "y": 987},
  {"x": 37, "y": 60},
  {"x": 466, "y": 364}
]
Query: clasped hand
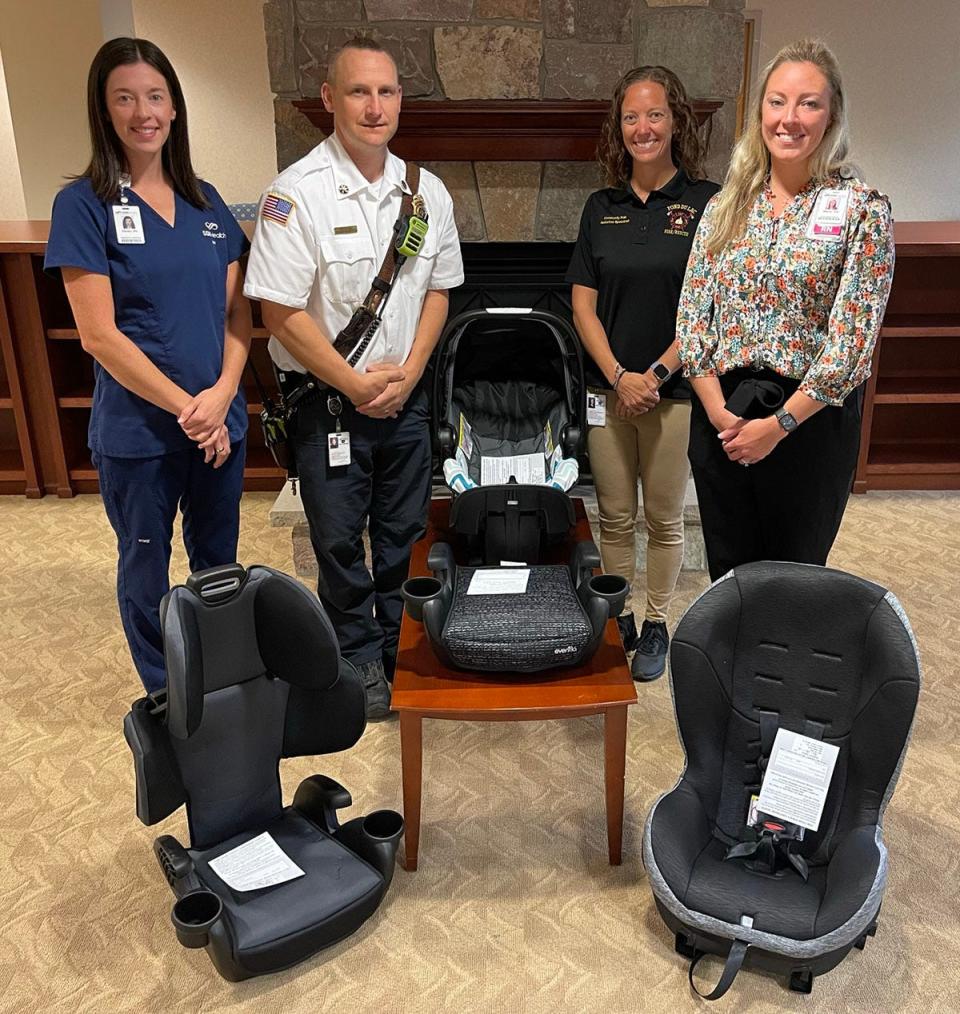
[
  {"x": 203, "y": 421},
  {"x": 384, "y": 390},
  {"x": 637, "y": 393},
  {"x": 747, "y": 441}
]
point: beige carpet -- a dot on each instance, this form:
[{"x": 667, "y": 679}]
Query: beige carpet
[{"x": 514, "y": 907}]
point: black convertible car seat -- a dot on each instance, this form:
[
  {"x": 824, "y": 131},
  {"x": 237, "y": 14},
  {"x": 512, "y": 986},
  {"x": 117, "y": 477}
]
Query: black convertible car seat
[
  {"x": 254, "y": 674},
  {"x": 814, "y": 651}
]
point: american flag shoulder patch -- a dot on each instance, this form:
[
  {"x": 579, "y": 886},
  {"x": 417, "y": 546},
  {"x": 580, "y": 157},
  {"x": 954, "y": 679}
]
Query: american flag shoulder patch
[{"x": 277, "y": 208}]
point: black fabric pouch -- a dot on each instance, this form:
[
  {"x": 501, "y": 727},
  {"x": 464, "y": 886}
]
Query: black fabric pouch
[{"x": 755, "y": 399}]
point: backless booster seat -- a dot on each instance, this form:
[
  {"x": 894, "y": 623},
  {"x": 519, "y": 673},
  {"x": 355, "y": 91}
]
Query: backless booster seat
[
  {"x": 813, "y": 651},
  {"x": 508, "y": 406},
  {"x": 254, "y": 674}
]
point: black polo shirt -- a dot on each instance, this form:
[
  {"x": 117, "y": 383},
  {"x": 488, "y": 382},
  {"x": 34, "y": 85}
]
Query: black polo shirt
[{"x": 634, "y": 253}]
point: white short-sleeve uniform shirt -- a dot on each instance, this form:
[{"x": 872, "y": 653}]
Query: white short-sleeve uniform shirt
[{"x": 322, "y": 232}]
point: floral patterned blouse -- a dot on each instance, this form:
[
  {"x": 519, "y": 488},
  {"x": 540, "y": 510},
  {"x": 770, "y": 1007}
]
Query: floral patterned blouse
[{"x": 807, "y": 308}]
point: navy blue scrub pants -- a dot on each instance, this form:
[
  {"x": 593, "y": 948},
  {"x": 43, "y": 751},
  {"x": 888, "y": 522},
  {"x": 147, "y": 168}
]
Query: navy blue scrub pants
[
  {"x": 141, "y": 497},
  {"x": 789, "y": 505},
  {"x": 388, "y": 481}
]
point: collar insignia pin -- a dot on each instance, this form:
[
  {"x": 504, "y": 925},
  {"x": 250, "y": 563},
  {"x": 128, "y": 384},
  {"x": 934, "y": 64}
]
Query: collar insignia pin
[{"x": 343, "y": 189}]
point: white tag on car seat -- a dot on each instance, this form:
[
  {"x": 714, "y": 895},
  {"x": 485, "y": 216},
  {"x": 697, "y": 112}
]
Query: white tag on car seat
[
  {"x": 797, "y": 778},
  {"x": 596, "y": 409},
  {"x": 257, "y": 863},
  {"x": 499, "y": 581},
  {"x": 338, "y": 449}
]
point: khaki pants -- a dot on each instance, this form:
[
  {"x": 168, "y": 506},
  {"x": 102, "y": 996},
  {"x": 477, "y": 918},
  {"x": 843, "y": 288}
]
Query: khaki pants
[{"x": 652, "y": 446}]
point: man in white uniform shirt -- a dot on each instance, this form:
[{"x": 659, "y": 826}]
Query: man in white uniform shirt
[{"x": 322, "y": 232}]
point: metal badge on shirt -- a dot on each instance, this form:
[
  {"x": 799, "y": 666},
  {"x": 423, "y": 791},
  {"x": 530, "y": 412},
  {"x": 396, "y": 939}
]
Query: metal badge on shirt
[
  {"x": 829, "y": 216},
  {"x": 128, "y": 225}
]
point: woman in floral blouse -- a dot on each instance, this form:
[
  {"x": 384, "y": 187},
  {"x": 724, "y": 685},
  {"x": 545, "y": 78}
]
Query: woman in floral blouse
[{"x": 781, "y": 305}]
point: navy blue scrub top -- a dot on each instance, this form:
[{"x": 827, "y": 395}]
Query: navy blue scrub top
[{"x": 169, "y": 297}]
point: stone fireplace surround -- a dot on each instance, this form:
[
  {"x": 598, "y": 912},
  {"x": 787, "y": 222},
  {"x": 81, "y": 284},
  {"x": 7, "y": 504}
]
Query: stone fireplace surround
[{"x": 535, "y": 52}]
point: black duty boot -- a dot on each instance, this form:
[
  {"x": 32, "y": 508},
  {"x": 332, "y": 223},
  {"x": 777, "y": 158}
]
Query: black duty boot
[
  {"x": 650, "y": 659},
  {"x": 377, "y": 689},
  {"x": 628, "y": 631}
]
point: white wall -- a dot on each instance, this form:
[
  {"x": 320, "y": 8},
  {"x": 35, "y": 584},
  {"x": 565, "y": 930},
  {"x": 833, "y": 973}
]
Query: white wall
[
  {"x": 901, "y": 72},
  {"x": 12, "y": 204},
  {"x": 219, "y": 51}
]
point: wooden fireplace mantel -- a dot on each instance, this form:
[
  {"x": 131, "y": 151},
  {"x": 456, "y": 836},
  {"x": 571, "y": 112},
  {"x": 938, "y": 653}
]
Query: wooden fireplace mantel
[{"x": 495, "y": 130}]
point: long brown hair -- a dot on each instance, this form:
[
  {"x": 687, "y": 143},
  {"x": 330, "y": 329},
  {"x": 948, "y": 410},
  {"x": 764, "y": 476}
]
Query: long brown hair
[
  {"x": 686, "y": 148},
  {"x": 108, "y": 160},
  {"x": 750, "y": 161}
]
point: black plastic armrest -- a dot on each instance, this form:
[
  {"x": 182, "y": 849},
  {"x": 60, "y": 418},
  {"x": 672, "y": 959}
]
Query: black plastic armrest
[
  {"x": 584, "y": 559},
  {"x": 441, "y": 563},
  {"x": 176, "y": 864},
  {"x": 318, "y": 798}
]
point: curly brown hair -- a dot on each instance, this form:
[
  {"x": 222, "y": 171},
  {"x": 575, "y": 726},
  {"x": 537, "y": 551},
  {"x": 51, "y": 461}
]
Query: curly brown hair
[{"x": 687, "y": 148}]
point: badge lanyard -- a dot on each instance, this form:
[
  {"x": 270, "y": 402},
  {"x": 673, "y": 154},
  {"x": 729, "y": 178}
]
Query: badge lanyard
[{"x": 338, "y": 442}]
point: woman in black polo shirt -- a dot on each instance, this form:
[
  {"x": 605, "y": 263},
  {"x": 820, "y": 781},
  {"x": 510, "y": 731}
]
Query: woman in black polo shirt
[{"x": 627, "y": 271}]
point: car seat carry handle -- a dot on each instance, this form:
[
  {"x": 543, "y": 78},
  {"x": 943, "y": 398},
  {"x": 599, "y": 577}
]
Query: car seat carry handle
[
  {"x": 216, "y": 584},
  {"x": 738, "y": 951}
]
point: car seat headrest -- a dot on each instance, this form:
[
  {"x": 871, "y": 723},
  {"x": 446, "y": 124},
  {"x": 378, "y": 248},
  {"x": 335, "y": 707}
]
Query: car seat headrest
[{"x": 227, "y": 626}]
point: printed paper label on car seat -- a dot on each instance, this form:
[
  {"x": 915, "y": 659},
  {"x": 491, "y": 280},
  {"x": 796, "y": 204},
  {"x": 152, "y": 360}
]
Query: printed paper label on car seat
[
  {"x": 499, "y": 581},
  {"x": 797, "y": 778},
  {"x": 527, "y": 469},
  {"x": 255, "y": 864},
  {"x": 596, "y": 409}
]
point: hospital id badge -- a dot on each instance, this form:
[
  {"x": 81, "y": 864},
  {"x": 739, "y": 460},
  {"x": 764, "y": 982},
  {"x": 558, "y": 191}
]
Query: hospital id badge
[
  {"x": 596, "y": 409},
  {"x": 829, "y": 216},
  {"x": 127, "y": 223},
  {"x": 338, "y": 449}
]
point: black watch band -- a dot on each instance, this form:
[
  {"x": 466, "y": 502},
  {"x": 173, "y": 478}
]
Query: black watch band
[{"x": 787, "y": 422}]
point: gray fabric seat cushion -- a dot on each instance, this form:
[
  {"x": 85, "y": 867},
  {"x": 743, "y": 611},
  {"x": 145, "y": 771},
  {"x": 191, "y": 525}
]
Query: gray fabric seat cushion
[
  {"x": 542, "y": 628},
  {"x": 339, "y": 892}
]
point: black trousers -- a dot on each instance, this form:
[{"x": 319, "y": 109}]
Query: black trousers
[
  {"x": 789, "y": 505},
  {"x": 387, "y": 484}
]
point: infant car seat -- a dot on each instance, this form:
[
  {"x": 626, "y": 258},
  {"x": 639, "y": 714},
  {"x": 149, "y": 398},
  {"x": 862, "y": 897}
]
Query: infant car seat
[
  {"x": 254, "y": 674},
  {"x": 509, "y": 399},
  {"x": 816, "y": 652}
]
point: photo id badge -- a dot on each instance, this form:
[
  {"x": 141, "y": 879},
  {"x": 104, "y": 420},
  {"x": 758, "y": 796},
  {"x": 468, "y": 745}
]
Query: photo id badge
[
  {"x": 126, "y": 221},
  {"x": 828, "y": 220},
  {"x": 596, "y": 409},
  {"x": 338, "y": 449}
]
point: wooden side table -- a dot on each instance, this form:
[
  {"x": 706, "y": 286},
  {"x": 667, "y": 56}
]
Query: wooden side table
[{"x": 422, "y": 688}]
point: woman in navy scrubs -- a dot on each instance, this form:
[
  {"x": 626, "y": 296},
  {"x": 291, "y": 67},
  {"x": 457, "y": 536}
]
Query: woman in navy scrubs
[{"x": 150, "y": 261}]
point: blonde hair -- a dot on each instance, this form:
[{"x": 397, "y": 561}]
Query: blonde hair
[{"x": 750, "y": 161}]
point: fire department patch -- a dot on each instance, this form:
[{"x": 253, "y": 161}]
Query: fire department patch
[{"x": 679, "y": 217}]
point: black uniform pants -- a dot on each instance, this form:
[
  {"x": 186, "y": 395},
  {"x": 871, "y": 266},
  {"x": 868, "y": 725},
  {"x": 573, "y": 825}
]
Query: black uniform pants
[
  {"x": 387, "y": 482},
  {"x": 787, "y": 506}
]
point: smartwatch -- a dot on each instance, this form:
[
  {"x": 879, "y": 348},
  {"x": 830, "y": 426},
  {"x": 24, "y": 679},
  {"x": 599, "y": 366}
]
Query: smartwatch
[
  {"x": 787, "y": 422},
  {"x": 661, "y": 372}
]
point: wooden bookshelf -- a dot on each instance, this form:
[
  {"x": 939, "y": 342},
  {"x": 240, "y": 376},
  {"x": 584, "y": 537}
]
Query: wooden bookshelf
[
  {"x": 46, "y": 381},
  {"x": 911, "y": 420}
]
